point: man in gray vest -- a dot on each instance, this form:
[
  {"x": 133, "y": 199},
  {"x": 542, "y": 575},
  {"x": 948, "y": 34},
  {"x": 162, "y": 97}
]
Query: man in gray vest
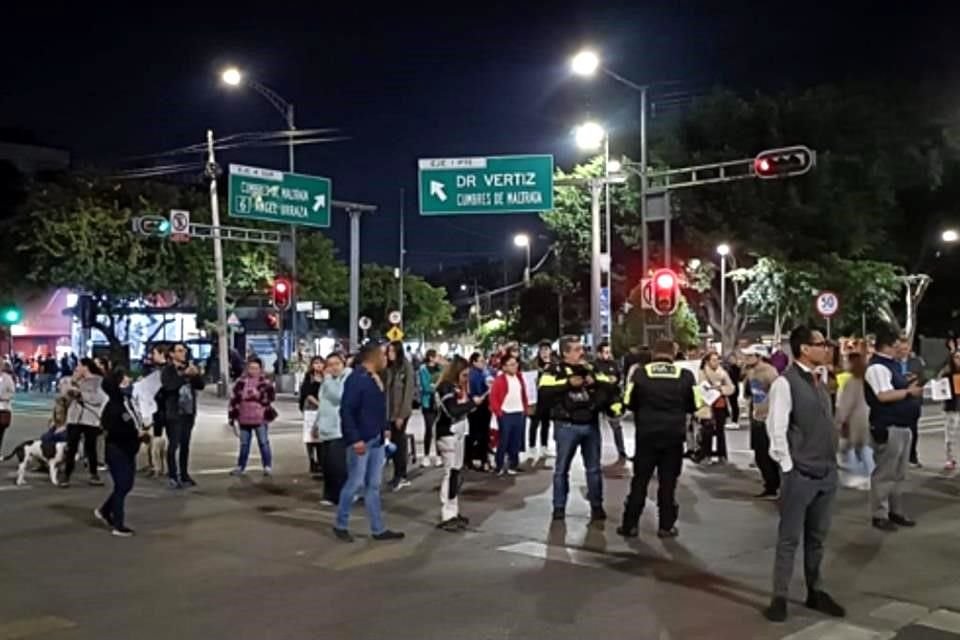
[
  {"x": 895, "y": 405},
  {"x": 801, "y": 430}
]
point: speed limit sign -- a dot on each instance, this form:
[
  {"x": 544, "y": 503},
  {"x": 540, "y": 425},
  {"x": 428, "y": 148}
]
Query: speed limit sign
[{"x": 828, "y": 303}]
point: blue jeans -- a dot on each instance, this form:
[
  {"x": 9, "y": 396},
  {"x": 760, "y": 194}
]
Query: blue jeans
[
  {"x": 363, "y": 472},
  {"x": 511, "y": 438},
  {"x": 246, "y": 435},
  {"x": 123, "y": 467},
  {"x": 568, "y": 437}
]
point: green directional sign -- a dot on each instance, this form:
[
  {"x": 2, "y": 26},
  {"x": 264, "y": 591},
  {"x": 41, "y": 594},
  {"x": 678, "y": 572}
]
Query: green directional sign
[
  {"x": 498, "y": 184},
  {"x": 276, "y": 196}
]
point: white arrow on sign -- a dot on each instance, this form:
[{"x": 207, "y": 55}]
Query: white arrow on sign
[
  {"x": 436, "y": 190},
  {"x": 319, "y": 202}
]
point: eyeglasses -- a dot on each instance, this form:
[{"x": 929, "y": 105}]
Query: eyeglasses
[{"x": 822, "y": 343}]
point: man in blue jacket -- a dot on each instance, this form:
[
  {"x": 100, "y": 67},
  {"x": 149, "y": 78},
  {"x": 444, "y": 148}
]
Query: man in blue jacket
[{"x": 363, "y": 418}]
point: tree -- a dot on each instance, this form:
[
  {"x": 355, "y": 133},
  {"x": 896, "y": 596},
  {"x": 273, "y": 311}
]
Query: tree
[
  {"x": 426, "y": 309},
  {"x": 777, "y": 290}
]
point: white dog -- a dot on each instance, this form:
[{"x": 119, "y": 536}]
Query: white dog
[
  {"x": 156, "y": 450},
  {"x": 33, "y": 450}
]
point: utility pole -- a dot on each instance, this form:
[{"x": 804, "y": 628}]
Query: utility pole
[
  {"x": 295, "y": 293},
  {"x": 222, "y": 345},
  {"x": 595, "y": 279},
  {"x": 354, "y": 279},
  {"x": 403, "y": 251}
]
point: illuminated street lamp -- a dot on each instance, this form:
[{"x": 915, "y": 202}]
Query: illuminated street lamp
[
  {"x": 522, "y": 241},
  {"x": 723, "y": 250},
  {"x": 232, "y": 76},
  {"x": 950, "y": 236},
  {"x": 585, "y": 63},
  {"x": 590, "y": 136}
]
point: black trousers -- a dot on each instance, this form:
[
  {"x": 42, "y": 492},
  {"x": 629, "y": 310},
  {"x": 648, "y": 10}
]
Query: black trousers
[
  {"x": 398, "y": 436},
  {"x": 665, "y": 456},
  {"x": 122, "y": 468},
  {"x": 478, "y": 437},
  {"x": 714, "y": 428},
  {"x": 541, "y": 420},
  {"x": 429, "y": 417},
  {"x": 179, "y": 433},
  {"x": 760, "y": 443},
  {"x": 90, "y": 435},
  {"x": 334, "y": 469},
  {"x": 913, "y": 444},
  {"x": 315, "y": 456}
]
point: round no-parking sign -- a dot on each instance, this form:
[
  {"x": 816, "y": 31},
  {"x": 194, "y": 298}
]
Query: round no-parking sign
[{"x": 828, "y": 303}]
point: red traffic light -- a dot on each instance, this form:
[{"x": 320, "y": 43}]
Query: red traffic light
[
  {"x": 666, "y": 292},
  {"x": 780, "y": 163},
  {"x": 281, "y": 293}
]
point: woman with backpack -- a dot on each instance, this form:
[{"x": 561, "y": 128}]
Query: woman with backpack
[{"x": 251, "y": 408}]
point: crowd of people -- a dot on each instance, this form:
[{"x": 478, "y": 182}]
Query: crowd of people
[{"x": 810, "y": 416}]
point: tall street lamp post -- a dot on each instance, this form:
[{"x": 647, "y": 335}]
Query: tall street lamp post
[
  {"x": 234, "y": 77},
  {"x": 723, "y": 250},
  {"x": 522, "y": 240}
]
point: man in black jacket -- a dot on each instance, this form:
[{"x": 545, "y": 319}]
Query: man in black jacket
[
  {"x": 576, "y": 394},
  {"x": 606, "y": 365},
  {"x": 179, "y": 383},
  {"x": 661, "y": 395}
]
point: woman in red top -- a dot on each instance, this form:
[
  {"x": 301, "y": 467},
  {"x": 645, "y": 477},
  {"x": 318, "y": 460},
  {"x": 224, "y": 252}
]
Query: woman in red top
[
  {"x": 508, "y": 401},
  {"x": 251, "y": 407}
]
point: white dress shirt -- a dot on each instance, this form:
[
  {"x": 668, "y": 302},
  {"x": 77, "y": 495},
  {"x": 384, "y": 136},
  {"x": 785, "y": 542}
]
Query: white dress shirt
[{"x": 778, "y": 419}]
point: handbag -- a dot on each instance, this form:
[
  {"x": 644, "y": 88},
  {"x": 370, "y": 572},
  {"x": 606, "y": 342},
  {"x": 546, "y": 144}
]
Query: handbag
[{"x": 6, "y": 417}]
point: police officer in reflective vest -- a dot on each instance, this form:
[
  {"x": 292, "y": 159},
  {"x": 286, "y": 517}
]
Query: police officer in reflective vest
[{"x": 661, "y": 395}]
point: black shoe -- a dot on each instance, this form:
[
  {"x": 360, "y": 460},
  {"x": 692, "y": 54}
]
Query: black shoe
[
  {"x": 822, "y": 602},
  {"x": 672, "y": 532},
  {"x": 903, "y": 521},
  {"x": 597, "y": 514},
  {"x": 453, "y": 525},
  {"x": 559, "y": 515},
  {"x": 342, "y": 535},
  {"x": 122, "y": 532},
  {"x": 883, "y": 524},
  {"x": 465, "y": 520},
  {"x": 628, "y": 532},
  {"x": 777, "y": 611},
  {"x": 95, "y": 481},
  {"x": 389, "y": 535},
  {"x": 187, "y": 481}
]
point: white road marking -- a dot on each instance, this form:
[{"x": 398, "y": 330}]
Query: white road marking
[
  {"x": 900, "y": 613},
  {"x": 833, "y": 630},
  {"x": 15, "y": 487},
  {"x": 542, "y": 551},
  {"x": 943, "y": 620},
  {"x": 30, "y": 627}
]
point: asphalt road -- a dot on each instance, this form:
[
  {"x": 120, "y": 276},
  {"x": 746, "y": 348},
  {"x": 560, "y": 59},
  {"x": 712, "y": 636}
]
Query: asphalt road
[{"x": 254, "y": 558}]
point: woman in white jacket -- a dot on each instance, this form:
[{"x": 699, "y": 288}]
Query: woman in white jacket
[{"x": 8, "y": 388}]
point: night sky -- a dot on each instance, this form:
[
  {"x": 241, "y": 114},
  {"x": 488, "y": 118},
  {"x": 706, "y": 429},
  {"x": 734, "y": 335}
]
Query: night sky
[{"x": 122, "y": 80}]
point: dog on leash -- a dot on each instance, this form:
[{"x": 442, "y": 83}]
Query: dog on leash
[{"x": 52, "y": 454}]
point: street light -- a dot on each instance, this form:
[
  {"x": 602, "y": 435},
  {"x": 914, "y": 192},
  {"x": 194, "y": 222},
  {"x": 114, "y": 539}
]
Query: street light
[
  {"x": 723, "y": 250},
  {"x": 585, "y": 63},
  {"x": 522, "y": 241},
  {"x": 950, "y": 236},
  {"x": 590, "y": 136},
  {"x": 234, "y": 77},
  {"x": 614, "y": 166}
]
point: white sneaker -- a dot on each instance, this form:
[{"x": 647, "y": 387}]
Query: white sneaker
[
  {"x": 511, "y": 472},
  {"x": 327, "y": 503},
  {"x": 402, "y": 484},
  {"x": 267, "y": 472},
  {"x": 437, "y": 461},
  {"x": 425, "y": 462}
]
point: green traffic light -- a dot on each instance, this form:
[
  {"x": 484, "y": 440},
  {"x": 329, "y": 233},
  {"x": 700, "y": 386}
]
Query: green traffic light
[
  {"x": 11, "y": 315},
  {"x": 164, "y": 227}
]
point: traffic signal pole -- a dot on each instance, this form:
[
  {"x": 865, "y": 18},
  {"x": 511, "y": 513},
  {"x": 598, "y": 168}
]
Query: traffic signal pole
[
  {"x": 596, "y": 188},
  {"x": 222, "y": 345}
]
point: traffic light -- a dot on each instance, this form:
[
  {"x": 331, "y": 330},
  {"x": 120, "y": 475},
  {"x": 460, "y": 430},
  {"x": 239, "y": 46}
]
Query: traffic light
[
  {"x": 152, "y": 226},
  {"x": 780, "y": 163},
  {"x": 10, "y": 316},
  {"x": 666, "y": 292},
  {"x": 281, "y": 293},
  {"x": 87, "y": 310}
]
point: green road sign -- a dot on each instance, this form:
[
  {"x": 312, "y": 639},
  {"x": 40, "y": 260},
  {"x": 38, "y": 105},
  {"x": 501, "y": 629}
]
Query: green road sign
[
  {"x": 498, "y": 184},
  {"x": 275, "y": 196}
]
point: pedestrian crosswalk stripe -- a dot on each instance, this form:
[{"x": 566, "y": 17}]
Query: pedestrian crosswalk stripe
[
  {"x": 942, "y": 620},
  {"x": 900, "y": 613},
  {"x": 833, "y": 630},
  {"x": 557, "y": 553}
]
